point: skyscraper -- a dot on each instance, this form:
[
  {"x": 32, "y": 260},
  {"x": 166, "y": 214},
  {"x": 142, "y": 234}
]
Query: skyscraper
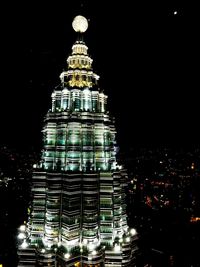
[{"x": 78, "y": 211}]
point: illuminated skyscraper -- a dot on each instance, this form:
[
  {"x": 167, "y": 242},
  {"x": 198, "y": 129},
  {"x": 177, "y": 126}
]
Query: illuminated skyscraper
[{"x": 78, "y": 212}]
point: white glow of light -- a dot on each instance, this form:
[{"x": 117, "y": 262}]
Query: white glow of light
[
  {"x": 94, "y": 252},
  {"x": 117, "y": 248},
  {"x": 80, "y": 24},
  {"x": 22, "y": 228},
  {"x": 128, "y": 239},
  {"x": 133, "y": 231},
  {"x": 91, "y": 246},
  {"x": 43, "y": 250},
  {"x": 67, "y": 256},
  {"x": 121, "y": 240},
  {"x": 24, "y": 244},
  {"x": 175, "y": 12},
  {"x": 72, "y": 242},
  {"x": 21, "y": 236},
  {"x": 89, "y": 258},
  {"x": 85, "y": 241}
]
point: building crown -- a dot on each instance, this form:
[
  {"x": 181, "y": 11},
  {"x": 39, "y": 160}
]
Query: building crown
[{"x": 79, "y": 73}]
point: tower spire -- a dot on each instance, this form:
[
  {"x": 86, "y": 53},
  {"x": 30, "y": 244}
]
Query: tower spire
[{"x": 78, "y": 212}]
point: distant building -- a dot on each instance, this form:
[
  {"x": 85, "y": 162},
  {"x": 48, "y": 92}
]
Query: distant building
[{"x": 78, "y": 215}]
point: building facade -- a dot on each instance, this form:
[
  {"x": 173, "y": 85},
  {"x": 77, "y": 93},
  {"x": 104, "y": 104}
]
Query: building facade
[{"x": 78, "y": 211}]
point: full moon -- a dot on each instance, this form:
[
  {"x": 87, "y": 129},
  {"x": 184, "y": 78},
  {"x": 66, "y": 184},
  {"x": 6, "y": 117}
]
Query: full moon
[{"x": 80, "y": 24}]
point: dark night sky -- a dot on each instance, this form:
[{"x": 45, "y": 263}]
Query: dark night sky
[{"x": 147, "y": 58}]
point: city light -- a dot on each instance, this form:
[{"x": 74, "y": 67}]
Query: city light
[
  {"x": 117, "y": 248},
  {"x": 91, "y": 246},
  {"x": 89, "y": 257},
  {"x": 133, "y": 232},
  {"x": 94, "y": 252},
  {"x": 85, "y": 241},
  {"x": 21, "y": 236},
  {"x": 22, "y": 228},
  {"x": 67, "y": 256},
  {"x": 24, "y": 244}
]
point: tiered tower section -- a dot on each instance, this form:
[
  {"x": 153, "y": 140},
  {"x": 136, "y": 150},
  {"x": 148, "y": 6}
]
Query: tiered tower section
[
  {"x": 79, "y": 134},
  {"x": 78, "y": 212}
]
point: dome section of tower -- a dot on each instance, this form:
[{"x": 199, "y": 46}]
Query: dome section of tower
[{"x": 79, "y": 48}]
